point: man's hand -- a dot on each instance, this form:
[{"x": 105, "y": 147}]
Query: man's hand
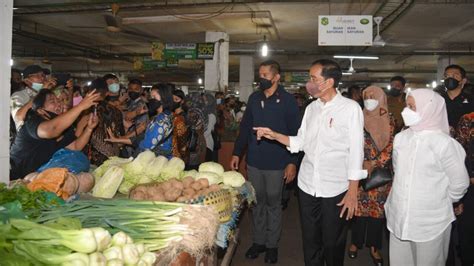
[
  {"x": 264, "y": 132},
  {"x": 69, "y": 84},
  {"x": 349, "y": 202},
  {"x": 50, "y": 83},
  {"x": 90, "y": 100},
  {"x": 112, "y": 138},
  {"x": 459, "y": 209},
  {"x": 290, "y": 173},
  {"x": 93, "y": 121},
  {"x": 234, "y": 163}
]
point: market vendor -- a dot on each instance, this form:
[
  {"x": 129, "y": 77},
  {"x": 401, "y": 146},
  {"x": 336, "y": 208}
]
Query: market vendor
[
  {"x": 47, "y": 130},
  {"x": 158, "y": 134}
]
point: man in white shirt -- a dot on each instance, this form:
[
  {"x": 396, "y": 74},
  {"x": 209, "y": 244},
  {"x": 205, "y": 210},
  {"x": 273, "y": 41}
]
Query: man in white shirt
[{"x": 331, "y": 135}]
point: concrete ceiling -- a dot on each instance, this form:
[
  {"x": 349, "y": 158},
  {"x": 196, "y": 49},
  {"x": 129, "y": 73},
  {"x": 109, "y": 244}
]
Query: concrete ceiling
[{"x": 72, "y": 36}]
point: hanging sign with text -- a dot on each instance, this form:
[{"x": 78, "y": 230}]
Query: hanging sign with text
[{"x": 345, "y": 31}]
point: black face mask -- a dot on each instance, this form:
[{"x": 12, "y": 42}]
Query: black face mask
[
  {"x": 451, "y": 83},
  {"x": 153, "y": 106},
  {"x": 395, "y": 92},
  {"x": 175, "y": 106},
  {"x": 265, "y": 84},
  {"x": 133, "y": 95},
  {"x": 111, "y": 98}
]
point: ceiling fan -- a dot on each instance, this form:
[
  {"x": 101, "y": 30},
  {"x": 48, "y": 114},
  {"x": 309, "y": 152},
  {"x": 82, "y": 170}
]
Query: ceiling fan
[
  {"x": 380, "y": 42},
  {"x": 113, "y": 25}
]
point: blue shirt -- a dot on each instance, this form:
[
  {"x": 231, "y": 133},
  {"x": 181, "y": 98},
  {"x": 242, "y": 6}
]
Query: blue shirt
[
  {"x": 278, "y": 112},
  {"x": 158, "y": 135}
]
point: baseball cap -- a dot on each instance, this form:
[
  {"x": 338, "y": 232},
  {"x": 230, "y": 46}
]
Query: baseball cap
[{"x": 33, "y": 69}]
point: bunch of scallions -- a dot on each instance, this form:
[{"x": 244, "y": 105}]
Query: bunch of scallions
[
  {"x": 23, "y": 242},
  {"x": 160, "y": 226}
]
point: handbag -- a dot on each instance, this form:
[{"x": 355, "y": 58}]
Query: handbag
[{"x": 380, "y": 176}]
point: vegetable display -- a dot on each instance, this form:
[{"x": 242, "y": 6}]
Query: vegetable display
[
  {"x": 108, "y": 184},
  {"x": 25, "y": 242},
  {"x": 157, "y": 225}
]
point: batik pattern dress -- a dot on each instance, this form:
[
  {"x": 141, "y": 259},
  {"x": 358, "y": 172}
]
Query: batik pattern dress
[
  {"x": 158, "y": 135},
  {"x": 465, "y": 135},
  {"x": 180, "y": 137},
  {"x": 371, "y": 203}
]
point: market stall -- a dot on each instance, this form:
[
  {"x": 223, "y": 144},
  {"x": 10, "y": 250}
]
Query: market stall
[{"x": 142, "y": 211}]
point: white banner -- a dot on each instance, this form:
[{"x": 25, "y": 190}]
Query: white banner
[{"x": 345, "y": 31}]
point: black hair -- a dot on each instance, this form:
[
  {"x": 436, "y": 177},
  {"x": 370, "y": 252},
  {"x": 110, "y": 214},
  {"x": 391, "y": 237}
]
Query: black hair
[
  {"x": 274, "y": 66},
  {"x": 399, "y": 78},
  {"x": 458, "y": 67},
  {"x": 76, "y": 88},
  {"x": 179, "y": 93},
  {"x": 172, "y": 86},
  {"x": 40, "y": 99},
  {"x": 331, "y": 70},
  {"x": 109, "y": 76},
  {"x": 136, "y": 82},
  {"x": 166, "y": 93},
  {"x": 15, "y": 70},
  {"x": 219, "y": 93},
  {"x": 352, "y": 89},
  {"x": 99, "y": 85}
]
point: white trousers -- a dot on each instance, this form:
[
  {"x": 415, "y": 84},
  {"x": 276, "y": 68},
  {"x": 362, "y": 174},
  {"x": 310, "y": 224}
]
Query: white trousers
[{"x": 409, "y": 253}]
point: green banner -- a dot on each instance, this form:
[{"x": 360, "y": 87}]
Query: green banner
[
  {"x": 205, "y": 51},
  {"x": 150, "y": 64},
  {"x": 177, "y": 51},
  {"x": 296, "y": 77}
]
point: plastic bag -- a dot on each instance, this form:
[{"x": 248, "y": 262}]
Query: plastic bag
[
  {"x": 11, "y": 210},
  {"x": 75, "y": 161}
]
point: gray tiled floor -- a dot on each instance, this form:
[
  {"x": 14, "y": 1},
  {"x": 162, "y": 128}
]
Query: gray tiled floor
[{"x": 290, "y": 251}]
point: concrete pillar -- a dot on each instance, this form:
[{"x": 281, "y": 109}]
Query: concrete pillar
[
  {"x": 216, "y": 71},
  {"x": 6, "y": 28},
  {"x": 246, "y": 77},
  {"x": 443, "y": 62}
]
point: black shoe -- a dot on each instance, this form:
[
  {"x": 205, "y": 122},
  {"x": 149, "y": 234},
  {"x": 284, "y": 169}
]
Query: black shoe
[
  {"x": 377, "y": 262},
  {"x": 271, "y": 257},
  {"x": 352, "y": 254},
  {"x": 254, "y": 251}
]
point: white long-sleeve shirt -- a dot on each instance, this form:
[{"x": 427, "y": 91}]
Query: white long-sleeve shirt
[
  {"x": 332, "y": 137},
  {"x": 208, "y": 132},
  {"x": 429, "y": 176}
]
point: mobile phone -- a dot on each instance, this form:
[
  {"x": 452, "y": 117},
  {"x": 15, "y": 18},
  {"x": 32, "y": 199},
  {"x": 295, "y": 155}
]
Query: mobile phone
[{"x": 61, "y": 78}]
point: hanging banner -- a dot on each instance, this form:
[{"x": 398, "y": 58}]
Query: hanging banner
[
  {"x": 205, "y": 51},
  {"x": 157, "y": 51},
  {"x": 150, "y": 64},
  {"x": 296, "y": 77},
  {"x": 345, "y": 31},
  {"x": 178, "y": 51}
]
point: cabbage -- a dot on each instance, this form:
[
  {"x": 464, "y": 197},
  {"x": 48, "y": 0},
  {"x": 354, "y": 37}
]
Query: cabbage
[
  {"x": 153, "y": 169},
  {"x": 126, "y": 186},
  {"x": 172, "y": 169},
  {"x": 191, "y": 173},
  {"x": 210, "y": 176},
  {"x": 211, "y": 167},
  {"x": 109, "y": 183},
  {"x": 135, "y": 170},
  {"x": 233, "y": 179},
  {"x": 112, "y": 161},
  {"x": 145, "y": 158}
]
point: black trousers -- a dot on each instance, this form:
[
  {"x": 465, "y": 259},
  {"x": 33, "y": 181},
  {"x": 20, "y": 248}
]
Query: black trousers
[
  {"x": 368, "y": 231},
  {"x": 324, "y": 233},
  {"x": 466, "y": 229}
]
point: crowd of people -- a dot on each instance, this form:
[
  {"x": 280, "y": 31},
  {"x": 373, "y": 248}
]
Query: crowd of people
[
  {"x": 372, "y": 160},
  {"x": 106, "y": 119}
]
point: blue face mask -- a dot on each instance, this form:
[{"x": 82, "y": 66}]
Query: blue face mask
[
  {"x": 114, "y": 87},
  {"x": 219, "y": 101},
  {"x": 37, "y": 86}
]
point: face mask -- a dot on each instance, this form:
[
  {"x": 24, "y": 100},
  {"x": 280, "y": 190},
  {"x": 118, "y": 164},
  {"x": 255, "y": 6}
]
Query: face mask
[
  {"x": 410, "y": 117},
  {"x": 133, "y": 95},
  {"x": 153, "y": 105},
  {"x": 265, "y": 84},
  {"x": 176, "y": 106},
  {"x": 371, "y": 104},
  {"x": 451, "y": 83},
  {"x": 395, "y": 92},
  {"x": 37, "y": 86},
  {"x": 219, "y": 101},
  {"x": 313, "y": 88},
  {"x": 114, "y": 87},
  {"x": 111, "y": 98},
  {"x": 242, "y": 109},
  {"x": 76, "y": 100}
]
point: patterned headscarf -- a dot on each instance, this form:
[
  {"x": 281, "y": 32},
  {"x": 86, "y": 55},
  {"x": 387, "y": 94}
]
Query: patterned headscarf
[
  {"x": 210, "y": 104},
  {"x": 196, "y": 116}
]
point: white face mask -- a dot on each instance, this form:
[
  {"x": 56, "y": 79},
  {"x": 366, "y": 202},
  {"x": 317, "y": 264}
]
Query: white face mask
[
  {"x": 371, "y": 104},
  {"x": 410, "y": 117}
]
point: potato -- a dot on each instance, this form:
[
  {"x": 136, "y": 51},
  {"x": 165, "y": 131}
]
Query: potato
[
  {"x": 71, "y": 185},
  {"x": 188, "y": 192},
  {"x": 187, "y": 181},
  {"x": 196, "y": 185},
  {"x": 166, "y": 185},
  {"x": 86, "y": 182},
  {"x": 157, "y": 197},
  {"x": 172, "y": 194},
  {"x": 154, "y": 190},
  {"x": 204, "y": 182},
  {"x": 214, "y": 188},
  {"x": 178, "y": 185},
  {"x": 182, "y": 199},
  {"x": 138, "y": 195}
]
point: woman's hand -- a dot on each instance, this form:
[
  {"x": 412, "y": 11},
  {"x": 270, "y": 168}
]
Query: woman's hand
[
  {"x": 90, "y": 100},
  {"x": 93, "y": 121},
  {"x": 50, "y": 83},
  {"x": 112, "y": 138},
  {"x": 265, "y": 132}
]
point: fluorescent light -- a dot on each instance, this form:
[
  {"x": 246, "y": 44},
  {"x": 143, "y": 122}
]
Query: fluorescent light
[
  {"x": 237, "y": 92},
  {"x": 89, "y": 83},
  {"x": 409, "y": 89},
  {"x": 389, "y": 87},
  {"x": 200, "y": 81},
  {"x": 427, "y": 85},
  {"x": 340, "y": 83},
  {"x": 356, "y": 57},
  {"x": 442, "y": 80},
  {"x": 347, "y": 73},
  {"x": 11, "y": 62},
  {"x": 264, "y": 50},
  {"x": 434, "y": 84}
]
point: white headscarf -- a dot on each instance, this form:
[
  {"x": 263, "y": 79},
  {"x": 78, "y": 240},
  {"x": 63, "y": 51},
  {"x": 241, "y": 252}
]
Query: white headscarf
[{"x": 432, "y": 109}]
